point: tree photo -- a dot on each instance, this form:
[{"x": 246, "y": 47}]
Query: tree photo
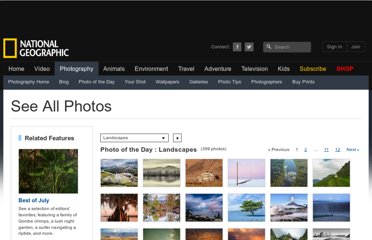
[
  {"x": 251, "y": 206},
  {"x": 48, "y": 171}
]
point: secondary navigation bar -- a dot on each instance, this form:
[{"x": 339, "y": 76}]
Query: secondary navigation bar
[{"x": 187, "y": 82}]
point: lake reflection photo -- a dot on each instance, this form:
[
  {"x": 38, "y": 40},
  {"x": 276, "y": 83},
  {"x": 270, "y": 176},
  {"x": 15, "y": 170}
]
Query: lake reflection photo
[
  {"x": 161, "y": 172},
  {"x": 161, "y": 207}
]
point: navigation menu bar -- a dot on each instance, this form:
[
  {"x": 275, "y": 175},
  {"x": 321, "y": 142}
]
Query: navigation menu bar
[{"x": 221, "y": 82}]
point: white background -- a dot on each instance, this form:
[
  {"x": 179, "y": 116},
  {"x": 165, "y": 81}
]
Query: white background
[{"x": 247, "y": 123}]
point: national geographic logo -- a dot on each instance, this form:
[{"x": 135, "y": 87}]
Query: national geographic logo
[
  {"x": 14, "y": 48},
  {"x": 10, "y": 48}
]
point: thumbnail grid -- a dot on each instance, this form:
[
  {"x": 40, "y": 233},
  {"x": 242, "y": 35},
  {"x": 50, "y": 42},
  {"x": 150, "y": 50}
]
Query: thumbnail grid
[{"x": 249, "y": 191}]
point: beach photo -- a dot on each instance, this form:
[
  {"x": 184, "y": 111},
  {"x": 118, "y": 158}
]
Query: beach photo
[
  {"x": 161, "y": 234},
  {"x": 288, "y": 172},
  {"x": 204, "y": 207},
  {"x": 246, "y": 207},
  {"x": 331, "y": 173},
  {"x": 246, "y": 172},
  {"x": 119, "y": 234},
  {"x": 161, "y": 172},
  {"x": 288, "y": 234},
  {"x": 331, "y": 207},
  {"x": 119, "y": 208},
  {"x": 48, "y": 171},
  {"x": 161, "y": 207},
  {"x": 204, "y": 173},
  {"x": 288, "y": 207},
  {"x": 246, "y": 233},
  {"x": 331, "y": 234},
  {"x": 204, "y": 234},
  {"x": 119, "y": 172}
]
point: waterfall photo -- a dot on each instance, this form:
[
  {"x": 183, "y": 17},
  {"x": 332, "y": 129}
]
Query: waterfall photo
[{"x": 331, "y": 207}]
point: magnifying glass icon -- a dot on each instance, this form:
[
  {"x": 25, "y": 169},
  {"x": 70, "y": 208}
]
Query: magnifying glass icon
[{"x": 268, "y": 46}]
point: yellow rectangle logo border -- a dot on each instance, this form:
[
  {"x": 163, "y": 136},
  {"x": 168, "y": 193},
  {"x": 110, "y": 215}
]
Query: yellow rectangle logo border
[{"x": 5, "y": 56}]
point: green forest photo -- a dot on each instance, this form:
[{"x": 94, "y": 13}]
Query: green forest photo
[
  {"x": 289, "y": 172},
  {"x": 48, "y": 171}
]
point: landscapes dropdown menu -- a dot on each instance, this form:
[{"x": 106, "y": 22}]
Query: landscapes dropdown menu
[{"x": 135, "y": 137}]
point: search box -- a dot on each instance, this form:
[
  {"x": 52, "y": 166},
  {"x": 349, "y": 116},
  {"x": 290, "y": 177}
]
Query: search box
[{"x": 286, "y": 47}]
